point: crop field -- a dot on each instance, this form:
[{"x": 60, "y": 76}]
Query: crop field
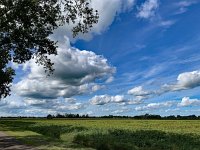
[{"x": 105, "y": 134}]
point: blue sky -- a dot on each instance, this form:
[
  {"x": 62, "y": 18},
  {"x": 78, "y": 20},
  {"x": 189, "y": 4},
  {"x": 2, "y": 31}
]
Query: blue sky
[{"x": 142, "y": 57}]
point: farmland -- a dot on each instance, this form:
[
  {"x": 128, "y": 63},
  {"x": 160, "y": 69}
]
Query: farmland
[{"x": 105, "y": 134}]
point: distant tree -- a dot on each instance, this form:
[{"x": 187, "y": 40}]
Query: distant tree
[
  {"x": 49, "y": 116},
  {"x": 172, "y": 117},
  {"x": 77, "y": 115},
  {"x": 59, "y": 116},
  {"x": 25, "y": 27}
]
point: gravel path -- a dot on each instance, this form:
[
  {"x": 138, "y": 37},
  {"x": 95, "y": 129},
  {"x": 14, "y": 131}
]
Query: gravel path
[{"x": 10, "y": 143}]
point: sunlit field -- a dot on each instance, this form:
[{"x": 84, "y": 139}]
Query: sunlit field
[{"x": 106, "y": 134}]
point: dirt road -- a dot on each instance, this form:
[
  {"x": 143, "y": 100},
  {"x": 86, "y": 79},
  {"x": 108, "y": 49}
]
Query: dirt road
[{"x": 10, "y": 143}]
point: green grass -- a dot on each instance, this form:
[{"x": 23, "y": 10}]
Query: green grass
[{"x": 106, "y": 134}]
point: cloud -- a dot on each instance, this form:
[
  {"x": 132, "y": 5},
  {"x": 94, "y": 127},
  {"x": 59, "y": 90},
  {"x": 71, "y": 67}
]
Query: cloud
[
  {"x": 38, "y": 112},
  {"x": 75, "y": 73},
  {"x": 15, "y": 105},
  {"x": 11, "y": 104},
  {"x": 186, "y": 80},
  {"x": 70, "y": 100},
  {"x": 167, "y": 23},
  {"x": 107, "y": 9},
  {"x": 119, "y": 99},
  {"x": 34, "y": 102},
  {"x": 153, "y": 106},
  {"x": 134, "y": 102},
  {"x": 186, "y": 101},
  {"x": 138, "y": 91},
  {"x": 69, "y": 107},
  {"x": 127, "y": 5},
  {"x": 147, "y": 9},
  {"x": 121, "y": 111},
  {"x": 18, "y": 106},
  {"x": 97, "y": 87},
  {"x": 109, "y": 80},
  {"x": 183, "y": 6},
  {"x": 105, "y": 99},
  {"x": 56, "y": 105},
  {"x": 107, "y": 16},
  {"x": 140, "y": 94}
]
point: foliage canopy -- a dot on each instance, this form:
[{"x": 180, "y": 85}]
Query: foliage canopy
[{"x": 25, "y": 27}]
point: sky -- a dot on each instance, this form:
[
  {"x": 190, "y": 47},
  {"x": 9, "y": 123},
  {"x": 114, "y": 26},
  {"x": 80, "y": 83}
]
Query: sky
[{"x": 142, "y": 57}]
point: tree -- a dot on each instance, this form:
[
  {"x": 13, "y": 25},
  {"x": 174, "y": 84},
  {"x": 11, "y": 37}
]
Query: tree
[
  {"x": 49, "y": 116},
  {"x": 25, "y": 27}
]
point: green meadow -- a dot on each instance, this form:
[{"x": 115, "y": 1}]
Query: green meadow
[{"x": 105, "y": 134}]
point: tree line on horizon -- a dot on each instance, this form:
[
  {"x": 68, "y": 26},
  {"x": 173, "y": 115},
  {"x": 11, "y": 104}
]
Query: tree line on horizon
[{"x": 146, "y": 116}]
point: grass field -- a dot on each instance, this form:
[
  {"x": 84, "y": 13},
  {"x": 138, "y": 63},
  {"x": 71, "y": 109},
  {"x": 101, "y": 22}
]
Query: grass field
[{"x": 106, "y": 134}]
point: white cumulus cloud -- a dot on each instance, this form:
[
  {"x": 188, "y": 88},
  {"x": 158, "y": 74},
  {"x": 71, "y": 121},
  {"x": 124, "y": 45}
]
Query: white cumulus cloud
[
  {"x": 140, "y": 94},
  {"x": 186, "y": 101},
  {"x": 186, "y": 80},
  {"x": 107, "y": 9},
  {"x": 75, "y": 73},
  {"x": 138, "y": 91},
  {"x": 147, "y": 9},
  {"x": 153, "y": 106},
  {"x": 105, "y": 99}
]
